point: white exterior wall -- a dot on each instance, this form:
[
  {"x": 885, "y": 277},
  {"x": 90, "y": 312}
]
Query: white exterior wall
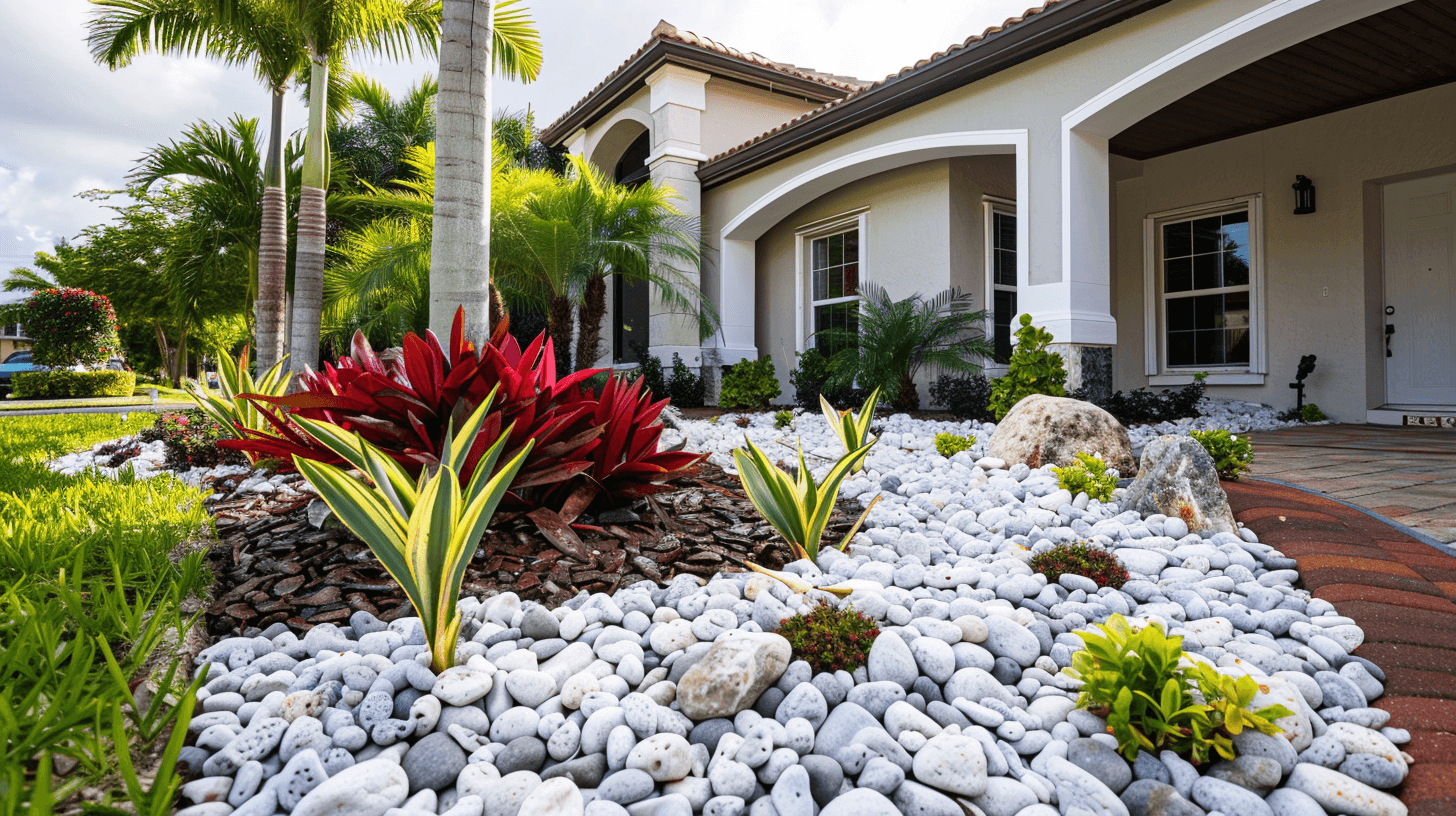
[{"x": 1343, "y": 153}]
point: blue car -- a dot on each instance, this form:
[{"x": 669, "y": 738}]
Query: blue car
[{"x": 19, "y": 362}]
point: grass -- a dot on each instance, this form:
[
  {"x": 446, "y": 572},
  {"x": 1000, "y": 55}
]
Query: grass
[
  {"x": 89, "y": 588},
  {"x": 139, "y": 397}
]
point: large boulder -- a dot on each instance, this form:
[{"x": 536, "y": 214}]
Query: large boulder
[
  {"x": 732, "y": 674},
  {"x": 1042, "y": 430},
  {"x": 1179, "y": 480}
]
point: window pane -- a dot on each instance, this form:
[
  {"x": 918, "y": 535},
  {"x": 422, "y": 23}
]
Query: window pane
[
  {"x": 820, "y": 286},
  {"x": 836, "y": 250},
  {"x": 836, "y": 283},
  {"x": 851, "y": 279},
  {"x": 1236, "y": 249},
  {"x": 851, "y": 247},
  {"x": 1003, "y": 314},
  {"x": 819, "y": 256},
  {"x": 1005, "y": 271},
  {"x": 1206, "y": 234},
  {"x": 1205, "y": 271},
  {"x": 1004, "y": 231},
  {"x": 1177, "y": 240},
  {"x": 1180, "y": 348},
  {"x": 1180, "y": 314},
  {"x": 836, "y": 316},
  {"x": 1178, "y": 275},
  {"x": 1208, "y": 312},
  {"x": 1208, "y": 348},
  {"x": 1237, "y": 342}
]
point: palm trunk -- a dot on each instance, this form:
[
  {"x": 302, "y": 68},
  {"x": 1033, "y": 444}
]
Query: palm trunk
[
  {"x": 308, "y": 267},
  {"x": 271, "y": 304},
  {"x": 497, "y": 307},
  {"x": 460, "y": 245},
  {"x": 908, "y": 399},
  {"x": 163, "y": 348},
  {"x": 558, "y": 327},
  {"x": 593, "y": 310}
]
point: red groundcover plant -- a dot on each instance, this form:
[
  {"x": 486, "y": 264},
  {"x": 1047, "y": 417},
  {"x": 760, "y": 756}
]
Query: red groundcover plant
[
  {"x": 70, "y": 327},
  {"x": 586, "y": 447}
]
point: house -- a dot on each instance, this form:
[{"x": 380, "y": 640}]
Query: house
[
  {"x": 1169, "y": 186},
  {"x": 12, "y": 339}
]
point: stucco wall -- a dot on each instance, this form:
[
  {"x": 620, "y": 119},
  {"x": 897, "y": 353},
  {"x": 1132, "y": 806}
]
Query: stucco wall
[
  {"x": 1304, "y": 254},
  {"x": 735, "y": 113}
]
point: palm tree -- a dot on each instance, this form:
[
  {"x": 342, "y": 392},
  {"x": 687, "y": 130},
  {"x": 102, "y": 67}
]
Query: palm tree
[
  {"x": 369, "y": 148},
  {"x": 254, "y": 32},
  {"x": 895, "y": 338},
  {"x": 475, "y": 40},
  {"x": 329, "y": 29}
]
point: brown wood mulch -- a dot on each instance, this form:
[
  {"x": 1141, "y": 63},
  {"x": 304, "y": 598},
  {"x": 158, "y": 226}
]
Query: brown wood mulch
[{"x": 272, "y": 565}]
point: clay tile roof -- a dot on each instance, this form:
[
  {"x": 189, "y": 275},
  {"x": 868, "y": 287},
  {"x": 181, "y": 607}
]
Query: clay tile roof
[
  {"x": 665, "y": 31},
  {"x": 870, "y": 87}
]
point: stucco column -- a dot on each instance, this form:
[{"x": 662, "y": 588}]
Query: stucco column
[
  {"x": 676, "y": 104},
  {"x": 1071, "y": 257}
]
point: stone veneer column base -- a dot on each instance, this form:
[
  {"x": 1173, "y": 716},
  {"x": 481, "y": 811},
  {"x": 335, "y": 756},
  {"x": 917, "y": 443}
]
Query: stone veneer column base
[{"x": 1088, "y": 367}]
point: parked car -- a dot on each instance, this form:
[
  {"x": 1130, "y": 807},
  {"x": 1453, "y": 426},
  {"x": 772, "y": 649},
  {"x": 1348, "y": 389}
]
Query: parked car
[{"x": 19, "y": 362}]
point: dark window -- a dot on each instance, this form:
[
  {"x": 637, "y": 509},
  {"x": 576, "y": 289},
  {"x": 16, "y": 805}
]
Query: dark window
[
  {"x": 834, "y": 285},
  {"x": 629, "y": 298},
  {"x": 1003, "y": 281},
  {"x": 1206, "y": 290}
]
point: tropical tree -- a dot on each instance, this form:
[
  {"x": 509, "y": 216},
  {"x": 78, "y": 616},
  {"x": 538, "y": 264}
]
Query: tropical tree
[
  {"x": 330, "y": 29},
  {"x": 895, "y": 338},
  {"x": 257, "y": 33},
  {"x": 475, "y": 40},
  {"x": 369, "y": 147}
]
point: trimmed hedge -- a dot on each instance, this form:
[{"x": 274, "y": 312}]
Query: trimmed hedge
[{"x": 73, "y": 384}]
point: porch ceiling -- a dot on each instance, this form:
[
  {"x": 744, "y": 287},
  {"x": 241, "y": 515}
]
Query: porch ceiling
[{"x": 1404, "y": 49}]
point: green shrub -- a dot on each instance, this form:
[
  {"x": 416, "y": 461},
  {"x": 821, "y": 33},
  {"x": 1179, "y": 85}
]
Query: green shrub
[
  {"x": 1231, "y": 453},
  {"x": 685, "y": 388},
  {"x": 1032, "y": 370},
  {"x": 649, "y": 368},
  {"x": 191, "y": 438},
  {"x": 831, "y": 638},
  {"x": 750, "y": 384},
  {"x": 73, "y": 384},
  {"x": 783, "y": 419},
  {"x": 948, "y": 444},
  {"x": 1139, "y": 683},
  {"x": 1312, "y": 413},
  {"x": 70, "y": 327},
  {"x": 964, "y": 397},
  {"x": 1087, "y": 475},
  {"x": 1078, "y": 559}
]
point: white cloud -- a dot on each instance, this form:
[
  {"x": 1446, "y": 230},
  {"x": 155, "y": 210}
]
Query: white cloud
[{"x": 70, "y": 125}]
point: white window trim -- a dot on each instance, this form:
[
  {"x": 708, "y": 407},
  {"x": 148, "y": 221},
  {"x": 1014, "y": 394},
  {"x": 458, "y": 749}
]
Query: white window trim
[
  {"x": 989, "y": 206},
  {"x": 854, "y": 219},
  {"x": 1154, "y": 340}
]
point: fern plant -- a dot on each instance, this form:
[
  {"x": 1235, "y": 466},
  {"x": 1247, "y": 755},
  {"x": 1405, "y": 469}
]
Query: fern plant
[
  {"x": 896, "y": 338},
  {"x": 1031, "y": 370}
]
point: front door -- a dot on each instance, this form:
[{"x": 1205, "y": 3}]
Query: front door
[{"x": 1420, "y": 292}]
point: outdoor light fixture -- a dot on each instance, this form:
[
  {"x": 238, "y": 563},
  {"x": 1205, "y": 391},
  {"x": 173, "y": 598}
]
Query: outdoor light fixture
[{"x": 1303, "y": 195}]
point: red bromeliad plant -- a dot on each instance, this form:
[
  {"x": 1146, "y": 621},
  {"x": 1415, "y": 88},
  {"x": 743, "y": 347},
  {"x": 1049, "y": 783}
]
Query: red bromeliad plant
[{"x": 584, "y": 447}]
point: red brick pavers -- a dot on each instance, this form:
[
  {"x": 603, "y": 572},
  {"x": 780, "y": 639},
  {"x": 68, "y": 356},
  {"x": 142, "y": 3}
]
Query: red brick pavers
[{"x": 1402, "y": 592}]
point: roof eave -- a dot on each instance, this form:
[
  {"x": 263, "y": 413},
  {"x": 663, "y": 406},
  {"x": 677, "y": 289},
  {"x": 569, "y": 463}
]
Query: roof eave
[
  {"x": 1053, "y": 28},
  {"x": 633, "y": 76}
]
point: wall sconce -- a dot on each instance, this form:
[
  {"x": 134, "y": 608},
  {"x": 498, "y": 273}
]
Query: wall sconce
[{"x": 1303, "y": 195}]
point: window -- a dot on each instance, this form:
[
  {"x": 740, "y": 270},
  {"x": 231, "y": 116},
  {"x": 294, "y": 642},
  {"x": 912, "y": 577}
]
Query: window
[
  {"x": 831, "y": 261},
  {"x": 11, "y": 330},
  {"x": 1001, "y": 274},
  {"x": 1205, "y": 287}
]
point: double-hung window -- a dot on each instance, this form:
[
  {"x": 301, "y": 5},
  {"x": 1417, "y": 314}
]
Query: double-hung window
[
  {"x": 1204, "y": 291},
  {"x": 833, "y": 267},
  {"x": 1001, "y": 274}
]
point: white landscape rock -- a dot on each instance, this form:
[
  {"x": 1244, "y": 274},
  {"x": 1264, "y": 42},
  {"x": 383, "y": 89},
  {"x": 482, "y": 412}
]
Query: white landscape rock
[{"x": 366, "y": 789}]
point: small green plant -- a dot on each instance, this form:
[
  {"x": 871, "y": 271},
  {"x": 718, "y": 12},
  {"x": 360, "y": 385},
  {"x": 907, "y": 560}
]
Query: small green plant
[
  {"x": 783, "y": 419},
  {"x": 1031, "y": 370},
  {"x": 853, "y": 430},
  {"x": 1143, "y": 685},
  {"x": 713, "y": 420},
  {"x": 423, "y": 532},
  {"x": 796, "y": 506},
  {"x": 228, "y": 408},
  {"x": 1231, "y": 453},
  {"x": 750, "y": 384},
  {"x": 1087, "y": 475},
  {"x": 1078, "y": 559},
  {"x": 685, "y": 388},
  {"x": 1312, "y": 413},
  {"x": 949, "y": 444},
  {"x": 831, "y": 638}
]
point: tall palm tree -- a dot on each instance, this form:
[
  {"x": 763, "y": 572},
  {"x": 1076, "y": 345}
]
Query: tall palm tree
[
  {"x": 253, "y": 32},
  {"x": 475, "y": 40},
  {"x": 331, "y": 28}
]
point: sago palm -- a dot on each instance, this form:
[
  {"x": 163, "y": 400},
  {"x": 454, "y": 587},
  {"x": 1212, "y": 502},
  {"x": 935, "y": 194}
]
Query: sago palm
[{"x": 898, "y": 337}]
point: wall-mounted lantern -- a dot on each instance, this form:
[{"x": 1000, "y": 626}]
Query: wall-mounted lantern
[{"x": 1303, "y": 195}]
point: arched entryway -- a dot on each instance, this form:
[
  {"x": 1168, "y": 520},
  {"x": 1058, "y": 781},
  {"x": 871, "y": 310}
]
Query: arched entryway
[{"x": 629, "y": 298}]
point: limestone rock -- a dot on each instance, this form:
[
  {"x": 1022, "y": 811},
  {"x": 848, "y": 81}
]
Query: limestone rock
[
  {"x": 1179, "y": 480},
  {"x": 1042, "y": 430},
  {"x": 732, "y": 674}
]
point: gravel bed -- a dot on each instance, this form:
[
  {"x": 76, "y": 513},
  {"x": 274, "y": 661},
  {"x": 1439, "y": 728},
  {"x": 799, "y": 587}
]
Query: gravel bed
[{"x": 678, "y": 700}]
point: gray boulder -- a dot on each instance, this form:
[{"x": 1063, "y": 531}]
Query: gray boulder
[
  {"x": 1179, "y": 480},
  {"x": 731, "y": 676},
  {"x": 1042, "y": 430}
]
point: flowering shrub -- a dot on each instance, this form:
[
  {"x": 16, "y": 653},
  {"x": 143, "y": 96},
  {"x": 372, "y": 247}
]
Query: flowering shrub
[
  {"x": 585, "y": 446},
  {"x": 830, "y": 639},
  {"x": 191, "y": 439},
  {"x": 1090, "y": 562},
  {"x": 70, "y": 327}
]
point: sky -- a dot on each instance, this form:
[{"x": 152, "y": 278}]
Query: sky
[{"x": 68, "y": 125}]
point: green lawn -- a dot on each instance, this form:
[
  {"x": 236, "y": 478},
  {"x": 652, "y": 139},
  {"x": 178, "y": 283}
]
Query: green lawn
[
  {"x": 90, "y": 581},
  {"x": 139, "y": 397}
]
